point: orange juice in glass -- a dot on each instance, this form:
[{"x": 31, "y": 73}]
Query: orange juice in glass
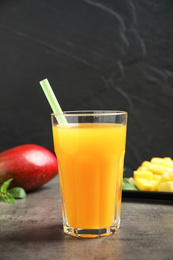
[{"x": 90, "y": 152}]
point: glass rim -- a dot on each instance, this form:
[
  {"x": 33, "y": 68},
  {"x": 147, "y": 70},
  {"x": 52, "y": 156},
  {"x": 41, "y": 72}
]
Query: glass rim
[{"x": 91, "y": 113}]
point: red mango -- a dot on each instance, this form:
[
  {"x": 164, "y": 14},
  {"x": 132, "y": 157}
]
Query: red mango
[{"x": 30, "y": 166}]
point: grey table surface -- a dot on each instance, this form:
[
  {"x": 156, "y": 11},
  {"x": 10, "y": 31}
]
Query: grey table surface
[{"x": 32, "y": 229}]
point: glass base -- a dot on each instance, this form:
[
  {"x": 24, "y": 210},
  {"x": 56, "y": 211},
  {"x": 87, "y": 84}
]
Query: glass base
[{"x": 89, "y": 233}]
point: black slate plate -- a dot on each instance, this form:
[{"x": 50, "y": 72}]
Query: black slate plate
[{"x": 144, "y": 194}]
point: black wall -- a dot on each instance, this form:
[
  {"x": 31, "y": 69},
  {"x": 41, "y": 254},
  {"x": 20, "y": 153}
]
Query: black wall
[{"x": 97, "y": 54}]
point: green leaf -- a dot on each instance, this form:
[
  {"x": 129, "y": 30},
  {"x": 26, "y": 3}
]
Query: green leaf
[
  {"x": 128, "y": 184},
  {"x": 10, "y": 195},
  {"x": 5, "y": 186},
  {"x": 8, "y": 198},
  {"x": 17, "y": 193},
  {"x": 1, "y": 196}
]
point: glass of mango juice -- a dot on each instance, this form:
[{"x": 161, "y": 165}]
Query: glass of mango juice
[{"x": 90, "y": 151}]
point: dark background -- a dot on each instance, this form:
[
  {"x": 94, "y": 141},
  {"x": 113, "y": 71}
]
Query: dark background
[{"x": 97, "y": 54}]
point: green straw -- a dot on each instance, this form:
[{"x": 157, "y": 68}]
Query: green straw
[{"x": 53, "y": 102}]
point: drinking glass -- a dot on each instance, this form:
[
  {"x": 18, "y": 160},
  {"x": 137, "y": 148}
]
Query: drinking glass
[{"x": 90, "y": 152}]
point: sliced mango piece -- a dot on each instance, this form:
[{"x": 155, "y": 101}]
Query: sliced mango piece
[
  {"x": 166, "y": 186},
  {"x": 155, "y": 185},
  {"x": 171, "y": 176},
  {"x": 168, "y": 161},
  {"x": 156, "y": 181},
  {"x": 148, "y": 175},
  {"x": 144, "y": 185},
  {"x": 146, "y": 164},
  {"x": 159, "y": 169},
  {"x": 155, "y": 168},
  {"x": 165, "y": 177},
  {"x": 156, "y": 160},
  {"x": 156, "y": 177},
  {"x": 142, "y": 168},
  {"x": 162, "y": 161}
]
